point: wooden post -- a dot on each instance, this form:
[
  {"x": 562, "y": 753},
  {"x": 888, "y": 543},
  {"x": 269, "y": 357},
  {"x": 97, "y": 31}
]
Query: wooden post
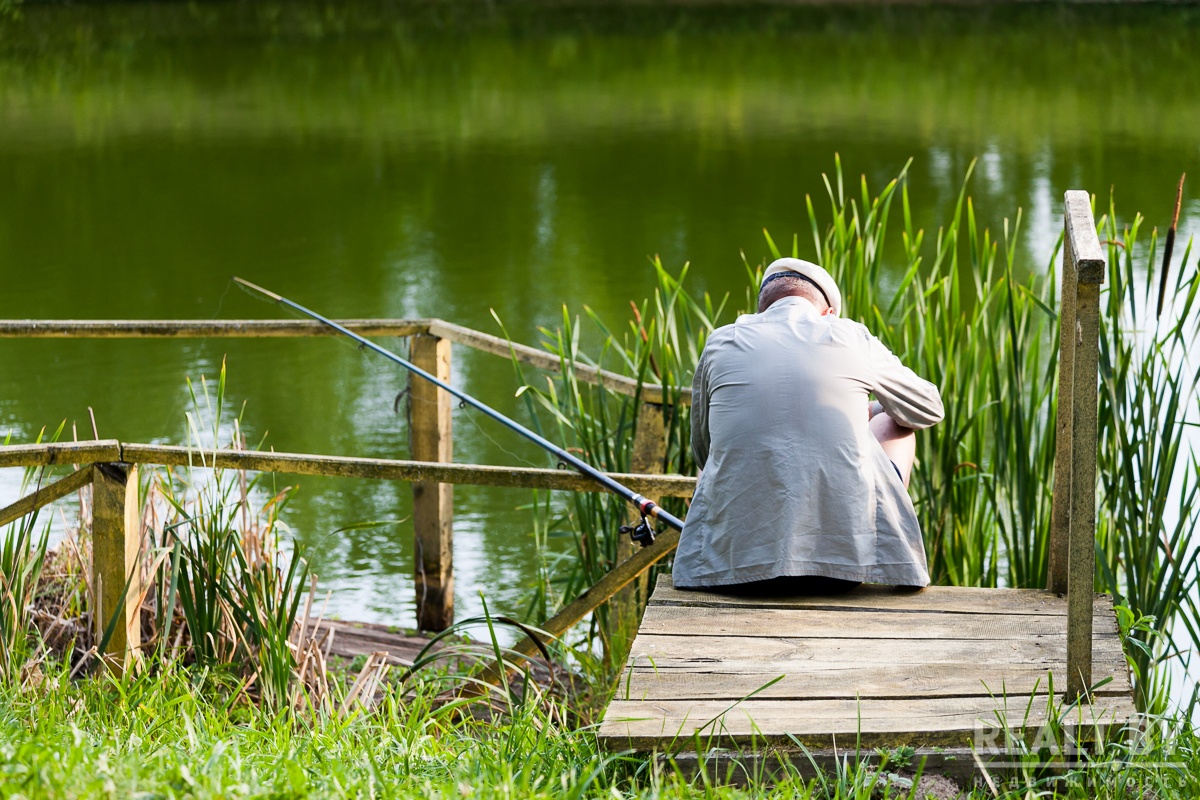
[
  {"x": 1083, "y": 249},
  {"x": 649, "y": 452},
  {"x": 116, "y": 567},
  {"x": 430, "y": 435}
]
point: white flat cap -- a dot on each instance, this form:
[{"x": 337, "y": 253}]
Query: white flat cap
[{"x": 813, "y": 272}]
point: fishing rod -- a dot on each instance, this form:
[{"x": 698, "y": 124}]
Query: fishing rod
[{"x": 641, "y": 533}]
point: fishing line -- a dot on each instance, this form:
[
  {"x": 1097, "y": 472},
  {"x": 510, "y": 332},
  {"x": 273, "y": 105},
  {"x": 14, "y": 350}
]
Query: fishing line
[{"x": 642, "y": 533}]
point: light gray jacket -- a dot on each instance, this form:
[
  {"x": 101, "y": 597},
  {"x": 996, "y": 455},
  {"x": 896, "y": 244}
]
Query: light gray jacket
[{"x": 793, "y": 482}]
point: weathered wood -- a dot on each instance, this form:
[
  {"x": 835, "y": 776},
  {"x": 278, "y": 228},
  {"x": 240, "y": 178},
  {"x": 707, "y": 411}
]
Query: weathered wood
[
  {"x": 1082, "y": 570},
  {"x": 351, "y": 639},
  {"x": 116, "y": 563},
  {"x": 1080, "y": 237},
  {"x": 954, "y": 721},
  {"x": 200, "y": 328},
  {"x": 963, "y": 599},
  {"x": 895, "y": 668},
  {"x": 643, "y": 681},
  {"x": 46, "y": 495},
  {"x": 430, "y": 439},
  {"x": 334, "y": 466},
  {"x": 819, "y": 623},
  {"x": 649, "y": 453},
  {"x": 52, "y": 454},
  {"x": 264, "y": 328},
  {"x": 779, "y": 655}
]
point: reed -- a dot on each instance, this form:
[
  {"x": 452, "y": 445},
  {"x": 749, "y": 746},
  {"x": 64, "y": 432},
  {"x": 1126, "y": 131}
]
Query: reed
[
  {"x": 22, "y": 555},
  {"x": 227, "y": 593}
]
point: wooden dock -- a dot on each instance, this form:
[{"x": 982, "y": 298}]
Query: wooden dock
[{"x": 877, "y": 667}]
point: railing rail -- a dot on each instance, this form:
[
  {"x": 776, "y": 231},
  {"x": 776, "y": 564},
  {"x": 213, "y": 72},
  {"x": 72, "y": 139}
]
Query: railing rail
[
  {"x": 272, "y": 329},
  {"x": 105, "y": 451},
  {"x": 430, "y": 425}
]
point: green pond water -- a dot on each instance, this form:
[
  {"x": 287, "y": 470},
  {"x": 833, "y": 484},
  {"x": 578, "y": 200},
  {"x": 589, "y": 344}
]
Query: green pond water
[{"x": 389, "y": 160}]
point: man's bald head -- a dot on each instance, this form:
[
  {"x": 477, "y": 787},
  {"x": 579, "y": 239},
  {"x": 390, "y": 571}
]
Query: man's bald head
[{"x": 791, "y": 285}]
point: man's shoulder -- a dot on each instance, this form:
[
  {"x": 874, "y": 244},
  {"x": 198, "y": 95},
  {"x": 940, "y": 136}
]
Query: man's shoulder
[
  {"x": 780, "y": 325},
  {"x": 725, "y": 332}
]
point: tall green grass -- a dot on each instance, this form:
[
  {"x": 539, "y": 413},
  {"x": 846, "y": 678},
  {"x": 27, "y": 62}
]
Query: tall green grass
[
  {"x": 956, "y": 306},
  {"x": 238, "y": 593},
  {"x": 221, "y": 591},
  {"x": 22, "y": 555}
]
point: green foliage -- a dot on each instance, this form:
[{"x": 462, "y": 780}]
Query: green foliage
[
  {"x": 1148, "y": 470},
  {"x": 238, "y": 594},
  {"x": 22, "y": 554}
]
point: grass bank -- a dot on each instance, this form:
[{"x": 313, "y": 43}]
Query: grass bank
[{"x": 183, "y": 733}]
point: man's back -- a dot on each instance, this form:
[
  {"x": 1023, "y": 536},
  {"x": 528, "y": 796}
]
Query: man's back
[{"x": 794, "y": 483}]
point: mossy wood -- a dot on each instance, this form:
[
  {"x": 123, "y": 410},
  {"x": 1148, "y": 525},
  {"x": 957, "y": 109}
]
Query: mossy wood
[
  {"x": 334, "y": 466},
  {"x": 430, "y": 439},
  {"x": 261, "y": 328},
  {"x": 116, "y": 563}
]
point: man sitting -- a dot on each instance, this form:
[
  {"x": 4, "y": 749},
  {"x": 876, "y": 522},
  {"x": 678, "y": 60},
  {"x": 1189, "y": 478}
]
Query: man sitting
[{"x": 802, "y": 486}]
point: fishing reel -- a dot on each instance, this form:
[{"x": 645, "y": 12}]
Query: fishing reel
[{"x": 641, "y": 533}]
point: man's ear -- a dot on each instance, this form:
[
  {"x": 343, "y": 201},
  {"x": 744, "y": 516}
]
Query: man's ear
[{"x": 828, "y": 310}]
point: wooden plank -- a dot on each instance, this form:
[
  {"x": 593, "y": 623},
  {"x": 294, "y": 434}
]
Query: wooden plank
[
  {"x": 52, "y": 454},
  {"x": 832, "y": 681},
  {"x": 821, "y": 623},
  {"x": 825, "y": 723},
  {"x": 116, "y": 566},
  {"x": 350, "y": 639},
  {"x": 393, "y": 469},
  {"x": 782, "y": 655},
  {"x": 200, "y": 328},
  {"x": 960, "y": 599},
  {"x": 431, "y": 439},
  {"x": 45, "y": 495}
]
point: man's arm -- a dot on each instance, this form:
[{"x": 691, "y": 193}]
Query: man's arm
[{"x": 909, "y": 399}]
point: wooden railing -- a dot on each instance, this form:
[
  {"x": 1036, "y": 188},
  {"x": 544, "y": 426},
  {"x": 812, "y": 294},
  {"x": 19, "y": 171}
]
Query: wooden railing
[
  {"x": 112, "y": 467},
  {"x": 430, "y": 427}
]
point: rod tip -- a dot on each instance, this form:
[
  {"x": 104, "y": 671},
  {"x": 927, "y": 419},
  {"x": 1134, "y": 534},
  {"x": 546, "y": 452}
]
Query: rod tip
[{"x": 256, "y": 288}]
